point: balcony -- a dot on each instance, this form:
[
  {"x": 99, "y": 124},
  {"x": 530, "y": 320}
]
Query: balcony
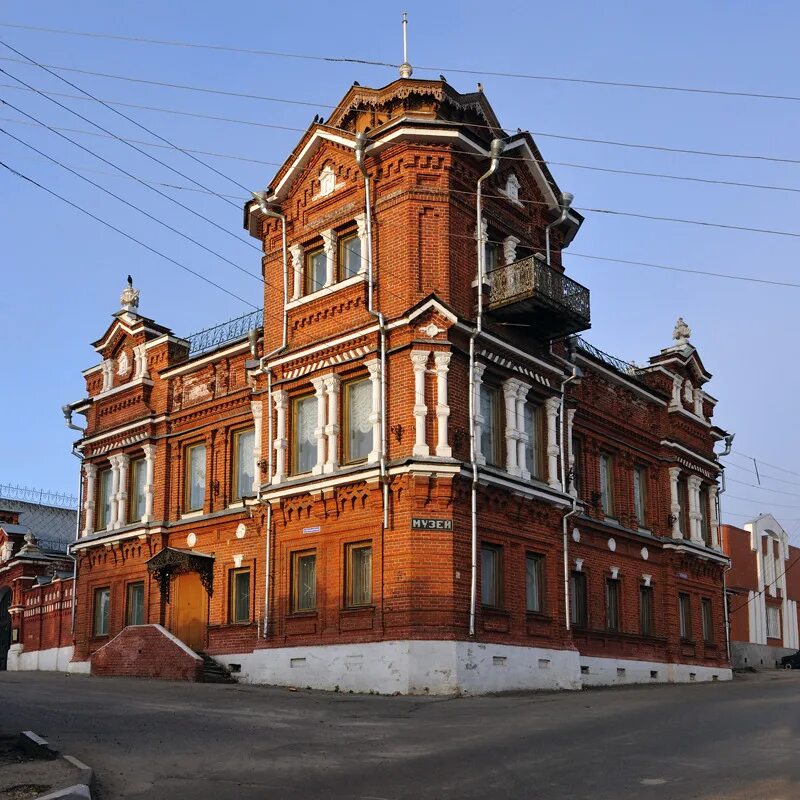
[{"x": 530, "y": 292}]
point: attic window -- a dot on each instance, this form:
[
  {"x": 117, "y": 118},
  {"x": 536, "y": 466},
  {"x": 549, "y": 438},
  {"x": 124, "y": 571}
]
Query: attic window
[
  {"x": 327, "y": 181},
  {"x": 512, "y": 187}
]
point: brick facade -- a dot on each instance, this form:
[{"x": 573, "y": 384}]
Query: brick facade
[{"x": 347, "y": 559}]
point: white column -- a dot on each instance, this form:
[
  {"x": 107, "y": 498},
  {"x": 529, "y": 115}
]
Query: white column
[
  {"x": 149, "y": 481},
  {"x": 479, "y": 421},
  {"x": 374, "y": 368},
  {"x": 329, "y": 246},
  {"x": 123, "y": 461},
  {"x": 257, "y": 409},
  {"x": 522, "y": 434},
  {"x": 674, "y": 502},
  {"x": 140, "y": 367},
  {"x": 332, "y": 386},
  {"x": 713, "y": 520},
  {"x": 510, "y": 249},
  {"x": 90, "y": 471},
  {"x": 319, "y": 431},
  {"x": 698, "y": 402},
  {"x": 108, "y": 374},
  {"x": 510, "y": 387},
  {"x": 570, "y": 422},
  {"x": 442, "y": 361},
  {"x": 361, "y": 230},
  {"x": 551, "y": 409},
  {"x": 419, "y": 360},
  {"x": 695, "y": 516},
  {"x": 281, "y": 399},
  {"x": 112, "y": 523},
  {"x": 296, "y": 252}
]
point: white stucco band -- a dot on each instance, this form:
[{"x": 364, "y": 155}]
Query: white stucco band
[
  {"x": 54, "y": 659},
  {"x": 619, "y": 671}
]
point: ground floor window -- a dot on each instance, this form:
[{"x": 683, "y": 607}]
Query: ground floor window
[
  {"x": 646, "y": 610},
  {"x": 491, "y": 576},
  {"x": 773, "y": 622},
  {"x": 304, "y": 581},
  {"x": 134, "y": 604},
  {"x": 358, "y": 574},
  {"x": 578, "y": 610},
  {"x": 534, "y": 582},
  {"x": 102, "y": 600},
  {"x": 685, "y": 615},
  {"x": 239, "y": 595},
  {"x": 612, "y": 604}
]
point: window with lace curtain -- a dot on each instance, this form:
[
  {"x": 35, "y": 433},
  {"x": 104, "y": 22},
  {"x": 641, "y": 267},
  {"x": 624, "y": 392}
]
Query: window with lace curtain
[
  {"x": 104, "y": 486},
  {"x": 195, "y": 477},
  {"x": 243, "y": 463},
  {"x": 358, "y": 427},
  {"x": 304, "y": 423},
  {"x": 350, "y": 262}
]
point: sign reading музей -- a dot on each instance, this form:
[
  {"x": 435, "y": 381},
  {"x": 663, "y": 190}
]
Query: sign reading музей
[{"x": 431, "y": 524}]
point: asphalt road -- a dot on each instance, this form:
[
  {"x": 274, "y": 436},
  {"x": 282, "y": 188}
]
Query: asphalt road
[{"x": 154, "y": 739}]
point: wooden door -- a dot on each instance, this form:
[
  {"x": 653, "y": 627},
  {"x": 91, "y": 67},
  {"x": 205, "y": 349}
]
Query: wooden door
[{"x": 189, "y": 610}]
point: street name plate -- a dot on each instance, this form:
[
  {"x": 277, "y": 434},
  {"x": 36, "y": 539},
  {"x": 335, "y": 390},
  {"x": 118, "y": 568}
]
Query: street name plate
[{"x": 431, "y": 524}]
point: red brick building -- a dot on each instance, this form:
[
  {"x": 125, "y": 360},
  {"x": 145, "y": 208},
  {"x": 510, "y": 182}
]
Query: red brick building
[
  {"x": 409, "y": 475},
  {"x": 763, "y": 587}
]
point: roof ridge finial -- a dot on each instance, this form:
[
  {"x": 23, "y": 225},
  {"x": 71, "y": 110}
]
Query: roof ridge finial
[
  {"x": 406, "y": 70},
  {"x": 129, "y": 299}
]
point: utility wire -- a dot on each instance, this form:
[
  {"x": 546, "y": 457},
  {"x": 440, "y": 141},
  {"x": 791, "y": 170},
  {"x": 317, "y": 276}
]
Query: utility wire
[
  {"x": 387, "y": 64},
  {"x": 565, "y": 137},
  {"x": 767, "y": 477},
  {"x": 765, "y": 463},
  {"x": 763, "y": 488},
  {"x": 766, "y": 586},
  {"x": 24, "y": 177}
]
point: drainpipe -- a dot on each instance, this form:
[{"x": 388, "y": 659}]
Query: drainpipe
[
  {"x": 359, "y": 148},
  {"x": 566, "y": 202},
  {"x": 268, "y": 212},
  {"x": 574, "y": 509},
  {"x": 67, "y": 411},
  {"x": 495, "y": 150},
  {"x": 725, "y": 452}
]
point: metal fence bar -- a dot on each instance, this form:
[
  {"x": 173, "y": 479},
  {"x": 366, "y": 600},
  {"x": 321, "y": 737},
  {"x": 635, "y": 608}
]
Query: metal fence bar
[
  {"x": 235, "y": 328},
  {"x": 612, "y": 361},
  {"x": 42, "y": 497}
]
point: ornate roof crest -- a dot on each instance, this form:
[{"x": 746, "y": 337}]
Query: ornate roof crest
[
  {"x": 682, "y": 332},
  {"x": 129, "y": 299}
]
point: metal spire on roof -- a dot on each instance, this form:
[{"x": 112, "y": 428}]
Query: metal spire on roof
[{"x": 406, "y": 69}]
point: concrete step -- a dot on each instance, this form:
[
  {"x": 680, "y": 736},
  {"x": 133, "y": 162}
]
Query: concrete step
[{"x": 214, "y": 672}]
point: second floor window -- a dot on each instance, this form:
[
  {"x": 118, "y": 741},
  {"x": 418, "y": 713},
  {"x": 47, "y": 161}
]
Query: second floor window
[
  {"x": 533, "y": 451},
  {"x": 490, "y": 432},
  {"x": 316, "y": 270},
  {"x": 705, "y": 527},
  {"x": 243, "y": 463},
  {"x": 304, "y": 581},
  {"x": 138, "y": 480},
  {"x": 195, "y": 491},
  {"x": 577, "y": 465},
  {"x": 607, "y": 484},
  {"x": 612, "y": 604},
  {"x": 640, "y": 495},
  {"x": 349, "y": 256},
  {"x": 104, "y": 498},
  {"x": 685, "y": 615},
  {"x": 304, "y": 421},
  {"x": 358, "y": 426},
  {"x": 578, "y": 600}
]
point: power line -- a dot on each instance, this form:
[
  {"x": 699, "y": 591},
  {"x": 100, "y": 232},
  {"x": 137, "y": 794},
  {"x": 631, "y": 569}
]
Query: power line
[
  {"x": 764, "y": 488},
  {"x": 24, "y": 177},
  {"x": 753, "y": 500},
  {"x": 768, "y": 477},
  {"x": 545, "y": 134},
  {"x": 386, "y": 64},
  {"x": 766, "y": 463}
]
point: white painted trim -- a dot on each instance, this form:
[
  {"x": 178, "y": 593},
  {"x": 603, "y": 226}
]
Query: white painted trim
[
  {"x": 354, "y": 280},
  {"x": 696, "y": 549},
  {"x": 692, "y": 416},
  {"x": 191, "y": 365},
  {"x": 118, "y": 389},
  {"x": 90, "y": 370},
  {"x": 164, "y": 338},
  {"x": 322, "y": 346},
  {"x": 121, "y": 429},
  {"x": 676, "y": 446},
  {"x": 53, "y": 659}
]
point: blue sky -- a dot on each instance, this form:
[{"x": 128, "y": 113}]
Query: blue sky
[{"x": 63, "y": 272}]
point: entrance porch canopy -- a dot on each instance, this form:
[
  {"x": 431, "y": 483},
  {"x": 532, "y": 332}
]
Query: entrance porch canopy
[{"x": 174, "y": 561}]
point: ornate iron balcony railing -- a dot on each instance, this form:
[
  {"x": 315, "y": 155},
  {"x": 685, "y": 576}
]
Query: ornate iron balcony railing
[
  {"x": 532, "y": 279},
  {"x": 211, "y": 338}
]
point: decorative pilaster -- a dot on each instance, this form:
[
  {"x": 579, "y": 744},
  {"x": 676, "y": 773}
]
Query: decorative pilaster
[
  {"x": 695, "y": 514},
  {"x": 522, "y": 435},
  {"x": 442, "y": 362},
  {"x": 510, "y": 389},
  {"x": 296, "y": 252},
  {"x": 108, "y": 374},
  {"x": 551, "y": 409},
  {"x": 281, "y": 443},
  {"x": 329, "y": 246},
  {"x": 140, "y": 366},
  {"x": 319, "y": 431},
  {"x": 112, "y": 523},
  {"x": 419, "y": 360},
  {"x": 374, "y": 368},
  {"x": 361, "y": 231},
  {"x": 149, "y": 482},
  {"x": 257, "y": 409},
  {"x": 674, "y": 502},
  {"x": 123, "y": 461},
  {"x": 713, "y": 520},
  {"x": 570, "y": 421},
  {"x": 332, "y": 386},
  {"x": 90, "y": 471},
  {"x": 698, "y": 402},
  {"x": 675, "y": 401},
  {"x": 479, "y": 421}
]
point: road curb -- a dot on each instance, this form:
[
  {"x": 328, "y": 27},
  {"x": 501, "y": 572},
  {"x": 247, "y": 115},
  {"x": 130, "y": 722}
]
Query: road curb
[{"x": 38, "y": 747}]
